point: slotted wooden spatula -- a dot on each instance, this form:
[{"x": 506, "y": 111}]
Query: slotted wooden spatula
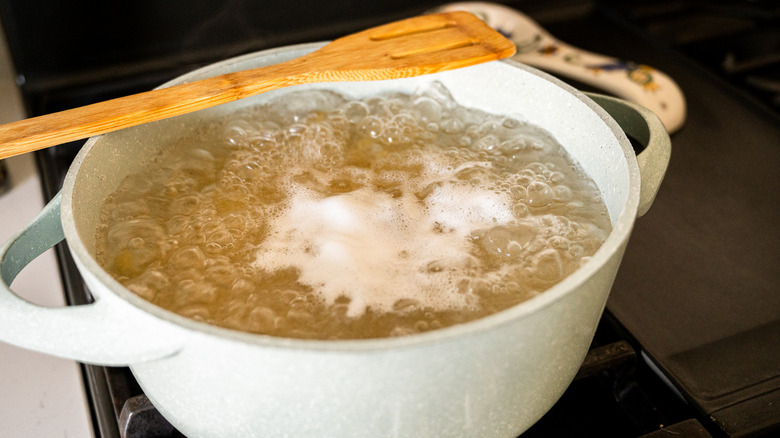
[{"x": 411, "y": 47}]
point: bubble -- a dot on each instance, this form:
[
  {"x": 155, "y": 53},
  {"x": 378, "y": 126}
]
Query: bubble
[
  {"x": 144, "y": 291},
  {"x": 452, "y": 126},
  {"x": 222, "y": 237},
  {"x": 557, "y": 177},
  {"x": 296, "y": 129},
  {"x": 518, "y": 192},
  {"x": 295, "y": 106},
  {"x": 242, "y": 286},
  {"x": 185, "y": 205},
  {"x": 539, "y": 194},
  {"x": 134, "y": 186},
  {"x": 434, "y": 267},
  {"x": 213, "y": 248},
  {"x": 487, "y": 143},
  {"x": 355, "y": 111},
  {"x": 393, "y": 105},
  {"x": 438, "y": 92},
  {"x": 129, "y": 210},
  {"x": 401, "y": 330},
  {"x": 558, "y": 242},
  {"x": 536, "y": 245},
  {"x": 548, "y": 266},
  {"x": 188, "y": 258},
  {"x": 510, "y": 123},
  {"x": 235, "y": 135},
  {"x": 430, "y": 110},
  {"x": 537, "y": 168},
  {"x": 299, "y": 317},
  {"x": 512, "y": 147},
  {"x": 562, "y": 193},
  {"x": 371, "y": 126},
  {"x": 196, "y": 163},
  {"x": 196, "y": 311},
  {"x": 180, "y": 183},
  {"x": 124, "y": 231},
  {"x": 343, "y": 185},
  {"x": 131, "y": 262},
  {"x": 235, "y": 221},
  {"x": 520, "y": 210},
  {"x": 406, "y": 305},
  {"x": 394, "y": 134},
  {"x": 495, "y": 241},
  {"x": 196, "y": 291}
]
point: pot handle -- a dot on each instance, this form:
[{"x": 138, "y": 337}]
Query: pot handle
[
  {"x": 645, "y": 127},
  {"x": 99, "y": 333}
]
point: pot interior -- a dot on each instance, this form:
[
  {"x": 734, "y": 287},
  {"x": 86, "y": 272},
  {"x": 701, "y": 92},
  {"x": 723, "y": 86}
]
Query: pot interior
[{"x": 508, "y": 88}]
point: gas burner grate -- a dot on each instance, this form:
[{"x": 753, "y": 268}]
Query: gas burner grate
[{"x": 739, "y": 41}]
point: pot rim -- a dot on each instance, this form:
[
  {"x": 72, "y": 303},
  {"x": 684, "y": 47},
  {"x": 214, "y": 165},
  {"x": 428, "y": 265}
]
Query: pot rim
[{"x": 621, "y": 230}]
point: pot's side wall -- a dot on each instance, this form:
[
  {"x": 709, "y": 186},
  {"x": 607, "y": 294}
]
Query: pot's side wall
[{"x": 494, "y": 382}]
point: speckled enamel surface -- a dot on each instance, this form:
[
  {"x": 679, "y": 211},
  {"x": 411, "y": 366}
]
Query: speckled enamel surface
[{"x": 491, "y": 377}]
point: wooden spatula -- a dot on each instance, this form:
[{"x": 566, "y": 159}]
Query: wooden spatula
[{"x": 411, "y": 47}]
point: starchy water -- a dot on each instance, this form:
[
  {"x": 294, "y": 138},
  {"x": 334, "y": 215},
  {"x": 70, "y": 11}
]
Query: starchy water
[{"x": 324, "y": 217}]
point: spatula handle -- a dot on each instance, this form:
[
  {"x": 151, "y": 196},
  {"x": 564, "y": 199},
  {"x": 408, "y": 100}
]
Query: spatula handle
[
  {"x": 411, "y": 47},
  {"x": 74, "y": 124}
]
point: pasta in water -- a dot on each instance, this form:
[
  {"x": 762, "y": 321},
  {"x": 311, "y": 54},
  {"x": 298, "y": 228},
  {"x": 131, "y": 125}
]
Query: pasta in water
[{"x": 322, "y": 217}]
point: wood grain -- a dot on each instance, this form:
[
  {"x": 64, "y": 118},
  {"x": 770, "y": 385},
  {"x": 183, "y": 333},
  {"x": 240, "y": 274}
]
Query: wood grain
[{"x": 411, "y": 47}]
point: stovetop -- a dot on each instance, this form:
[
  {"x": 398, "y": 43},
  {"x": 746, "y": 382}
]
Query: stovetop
[
  {"x": 690, "y": 341},
  {"x": 698, "y": 285}
]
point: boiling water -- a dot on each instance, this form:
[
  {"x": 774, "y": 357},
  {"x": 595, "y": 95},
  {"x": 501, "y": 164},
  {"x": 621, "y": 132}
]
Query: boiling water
[{"x": 318, "y": 216}]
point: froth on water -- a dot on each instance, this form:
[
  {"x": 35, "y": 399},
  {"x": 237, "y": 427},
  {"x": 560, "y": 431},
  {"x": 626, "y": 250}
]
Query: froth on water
[{"x": 319, "y": 216}]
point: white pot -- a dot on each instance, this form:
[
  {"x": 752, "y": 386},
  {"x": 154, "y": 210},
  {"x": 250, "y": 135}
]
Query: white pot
[{"x": 492, "y": 377}]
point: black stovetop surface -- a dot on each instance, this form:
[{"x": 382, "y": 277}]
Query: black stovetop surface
[
  {"x": 698, "y": 287},
  {"x": 696, "y": 298}
]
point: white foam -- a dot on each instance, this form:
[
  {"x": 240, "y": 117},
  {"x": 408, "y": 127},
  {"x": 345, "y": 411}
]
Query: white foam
[
  {"x": 464, "y": 208},
  {"x": 376, "y": 249}
]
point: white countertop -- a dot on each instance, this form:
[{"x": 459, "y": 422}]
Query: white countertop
[{"x": 40, "y": 395}]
